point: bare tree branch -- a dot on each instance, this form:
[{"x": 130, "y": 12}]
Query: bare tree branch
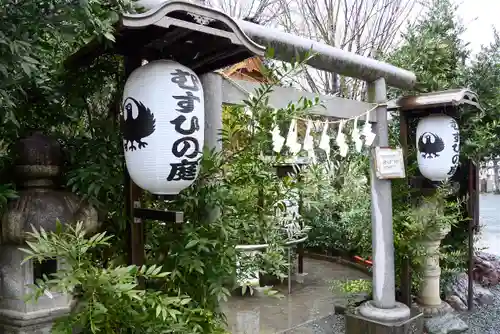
[
  {"x": 366, "y": 27},
  {"x": 263, "y": 11}
]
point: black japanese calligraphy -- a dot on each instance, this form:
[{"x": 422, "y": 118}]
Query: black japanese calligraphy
[
  {"x": 188, "y": 146},
  {"x": 454, "y": 124},
  {"x": 183, "y": 171},
  {"x": 193, "y": 128},
  {"x": 186, "y": 103},
  {"x": 456, "y": 157},
  {"x": 181, "y": 78},
  {"x": 182, "y": 145}
]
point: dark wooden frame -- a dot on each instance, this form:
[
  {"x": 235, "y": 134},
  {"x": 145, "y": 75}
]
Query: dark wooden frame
[{"x": 472, "y": 204}]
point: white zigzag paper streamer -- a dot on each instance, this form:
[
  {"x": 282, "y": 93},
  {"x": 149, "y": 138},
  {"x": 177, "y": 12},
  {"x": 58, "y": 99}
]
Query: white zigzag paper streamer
[
  {"x": 367, "y": 131},
  {"x": 341, "y": 142},
  {"x": 324, "y": 141},
  {"x": 308, "y": 145},
  {"x": 356, "y": 136},
  {"x": 291, "y": 138},
  {"x": 278, "y": 139}
]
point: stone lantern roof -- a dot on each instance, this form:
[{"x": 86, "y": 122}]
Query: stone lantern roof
[{"x": 40, "y": 204}]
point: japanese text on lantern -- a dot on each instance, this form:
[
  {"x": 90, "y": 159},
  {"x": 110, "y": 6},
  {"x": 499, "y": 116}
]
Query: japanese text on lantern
[
  {"x": 188, "y": 146},
  {"x": 456, "y": 152}
]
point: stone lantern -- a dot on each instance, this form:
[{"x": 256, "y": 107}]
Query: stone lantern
[{"x": 40, "y": 203}]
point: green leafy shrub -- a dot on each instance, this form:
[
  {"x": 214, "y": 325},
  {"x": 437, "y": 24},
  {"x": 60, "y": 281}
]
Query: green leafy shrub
[
  {"x": 110, "y": 299},
  {"x": 337, "y": 202},
  {"x": 352, "y": 286}
]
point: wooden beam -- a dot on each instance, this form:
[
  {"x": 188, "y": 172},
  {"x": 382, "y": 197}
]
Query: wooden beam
[
  {"x": 135, "y": 228},
  {"x": 234, "y": 91}
]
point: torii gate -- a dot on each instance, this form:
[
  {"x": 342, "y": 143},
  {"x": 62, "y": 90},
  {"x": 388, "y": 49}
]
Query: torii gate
[{"x": 205, "y": 40}]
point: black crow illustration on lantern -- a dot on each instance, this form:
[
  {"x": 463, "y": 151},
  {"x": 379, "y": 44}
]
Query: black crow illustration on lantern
[
  {"x": 430, "y": 145},
  {"x": 134, "y": 129},
  {"x": 163, "y": 117},
  {"x": 438, "y": 147}
]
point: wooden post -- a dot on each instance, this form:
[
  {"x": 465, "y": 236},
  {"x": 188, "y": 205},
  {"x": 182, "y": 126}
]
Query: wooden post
[
  {"x": 473, "y": 174},
  {"x": 300, "y": 247},
  {"x": 300, "y": 251},
  {"x": 135, "y": 228}
]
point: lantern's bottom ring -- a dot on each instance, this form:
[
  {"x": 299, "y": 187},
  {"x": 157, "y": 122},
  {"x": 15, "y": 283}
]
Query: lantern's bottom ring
[{"x": 165, "y": 197}]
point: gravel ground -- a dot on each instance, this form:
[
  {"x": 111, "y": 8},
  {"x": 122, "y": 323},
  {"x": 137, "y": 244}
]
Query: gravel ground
[
  {"x": 330, "y": 324},
  {"x": 482, "y": 320},
  {"x": 486, "y": 319}
]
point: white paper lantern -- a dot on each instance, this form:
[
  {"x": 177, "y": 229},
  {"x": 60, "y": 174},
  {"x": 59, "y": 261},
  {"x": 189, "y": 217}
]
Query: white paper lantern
[
  {"x": 438, "y": 146},
  {"x": 163, "y": 115}
]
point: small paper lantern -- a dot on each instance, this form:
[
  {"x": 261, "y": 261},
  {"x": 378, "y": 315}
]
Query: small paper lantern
[
  {"x": 438, "y": 146},
  {"x": 163, "y": 126}
]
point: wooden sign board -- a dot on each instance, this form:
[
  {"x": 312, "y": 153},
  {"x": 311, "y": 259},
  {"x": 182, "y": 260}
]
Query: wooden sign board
[{"x": 389, "y": 163}]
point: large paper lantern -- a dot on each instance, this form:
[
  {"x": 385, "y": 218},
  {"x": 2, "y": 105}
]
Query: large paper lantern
[
  {"x": 438, "y": 143},
  {"x": 163, "y": 126}
]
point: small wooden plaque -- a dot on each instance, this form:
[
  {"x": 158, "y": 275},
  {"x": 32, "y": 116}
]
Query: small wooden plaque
[{"x": 389, "y": 163}]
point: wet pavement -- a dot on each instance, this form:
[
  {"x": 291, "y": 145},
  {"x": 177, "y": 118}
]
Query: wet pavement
[
  {"x": 490, "y": 223},
  {"x": 308, "y": 309}
]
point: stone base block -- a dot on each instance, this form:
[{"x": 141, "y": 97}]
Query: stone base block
[
  {"x": 358, "y": 324},
  {"x": 431, "y": 311},
  {"x": 33, "y": 329},
  {"x": 40, "y": 322}
]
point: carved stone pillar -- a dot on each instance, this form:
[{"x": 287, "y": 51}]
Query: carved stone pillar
[
  {"x": 429, "y": 298},
  {"x": 41, "y": 202}
]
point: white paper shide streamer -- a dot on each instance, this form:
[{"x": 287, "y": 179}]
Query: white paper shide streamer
[
  {"x": 309, "y": 141},
  {"x": 356, "y": 136},
  {"x": 278, "y": 139},
  {"x": 253, "y": 125},
  {"x": 324, "y": 141},
  {"x": 367, "y": 131},
  {"x": 317, "y": 126},
  {"x": 341, "y": 142},
  {"x": 360, "y": 135},
  {"x": 292, "y": 138}
]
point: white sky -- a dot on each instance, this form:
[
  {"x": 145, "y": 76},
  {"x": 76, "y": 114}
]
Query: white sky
[{"x": 479, "y": 16}]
